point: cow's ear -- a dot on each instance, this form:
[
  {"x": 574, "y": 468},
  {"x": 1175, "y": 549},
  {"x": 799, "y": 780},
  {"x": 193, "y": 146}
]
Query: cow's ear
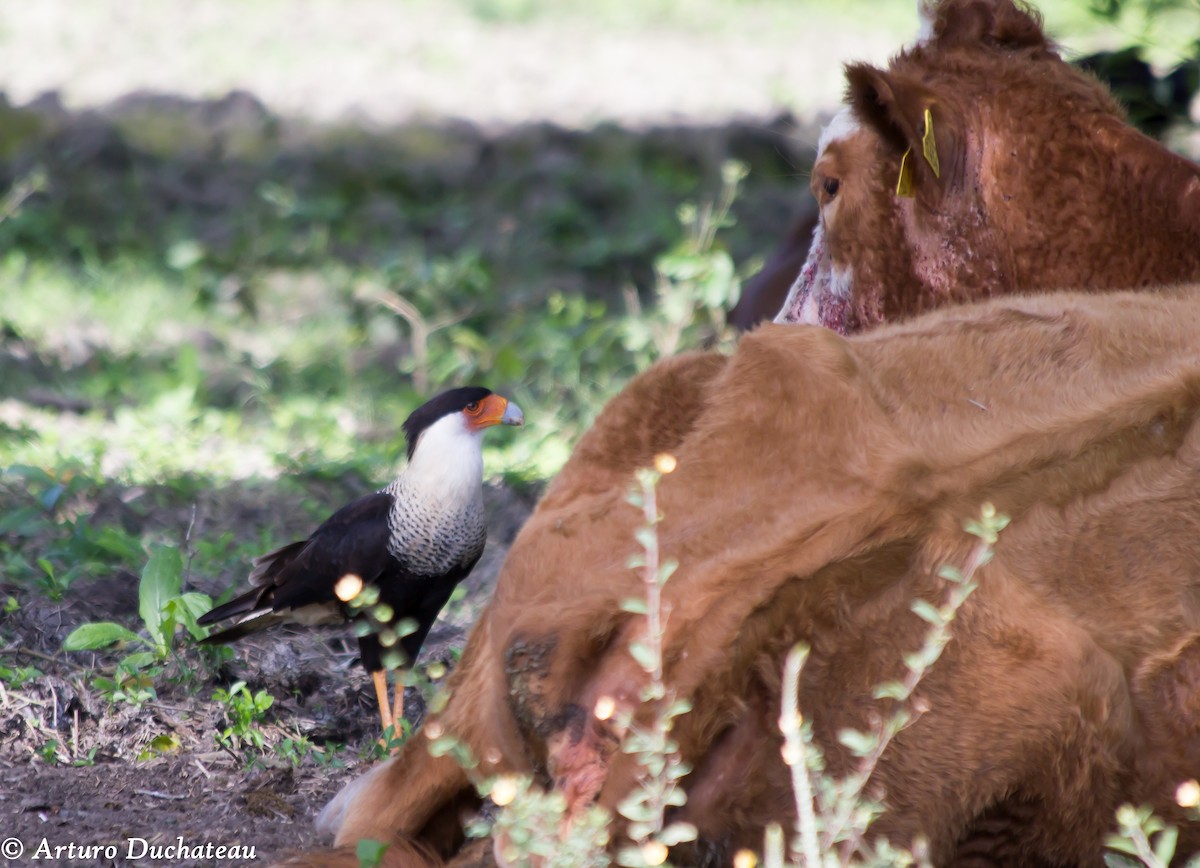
[{"x": 924, "y": 134}]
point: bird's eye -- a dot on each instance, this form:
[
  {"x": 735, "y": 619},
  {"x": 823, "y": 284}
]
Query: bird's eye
[
  {"x": 830, "y": 186},
  {"x": 472, "y": 408}
]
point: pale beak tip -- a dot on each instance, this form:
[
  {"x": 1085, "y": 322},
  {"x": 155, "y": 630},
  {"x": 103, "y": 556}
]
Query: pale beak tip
[{"x": 513, "y": 415}]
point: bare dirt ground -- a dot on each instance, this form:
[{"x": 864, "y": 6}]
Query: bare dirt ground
[{"x": 113, "y": 785}]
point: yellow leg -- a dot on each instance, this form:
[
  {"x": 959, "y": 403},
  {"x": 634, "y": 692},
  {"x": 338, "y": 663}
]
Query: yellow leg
[
  {"x": 381, "y": 696},
  {"x": 398, "y": 708}
]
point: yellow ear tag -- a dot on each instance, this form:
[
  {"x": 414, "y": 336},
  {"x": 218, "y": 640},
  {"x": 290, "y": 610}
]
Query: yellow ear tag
[
  {"x": 904, "y": 184},
  {"x": 929, "y": 146}
]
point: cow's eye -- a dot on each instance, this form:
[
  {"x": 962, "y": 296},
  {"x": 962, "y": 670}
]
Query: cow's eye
[{"x": 830, "y": 186}]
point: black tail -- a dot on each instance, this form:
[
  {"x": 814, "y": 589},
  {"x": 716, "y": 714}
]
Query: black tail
[
  {"x": 243, "y": 628},
  {"x": 242, "y": 605},
  {"x": 268, "y": 566}
]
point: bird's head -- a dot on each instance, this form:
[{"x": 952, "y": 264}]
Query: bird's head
[{"x": 468, "y": 411}]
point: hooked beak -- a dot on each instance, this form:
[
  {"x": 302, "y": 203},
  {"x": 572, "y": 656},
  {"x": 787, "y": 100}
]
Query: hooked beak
[
  {"x": 498, "y": 410},
  {"x": 512, "y": 414}
]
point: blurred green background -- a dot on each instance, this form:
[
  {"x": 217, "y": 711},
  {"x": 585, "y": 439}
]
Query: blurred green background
[{"x": 240, "y": 241}]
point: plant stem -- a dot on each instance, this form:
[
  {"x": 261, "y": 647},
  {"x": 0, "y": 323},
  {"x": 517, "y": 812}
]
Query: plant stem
[{"x": 796, "y": 756}]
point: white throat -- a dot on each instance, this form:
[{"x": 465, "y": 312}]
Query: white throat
[
  {"x": 437, "y": 521},
  {"x": 447, "y": 464}
]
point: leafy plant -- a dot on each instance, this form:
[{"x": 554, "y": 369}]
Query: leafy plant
[
  {"x": 162, "y": 604},
  {"x": 88, "y": 759},
  {"x": 531, "y": 827},
  {"x": 1144, "y": 839},
  {"x": 295, "y": 749},
  {"x": 657, "y": 754},
  {"x": 163, "y": 743},
  {"x": 834, "y": 816},
  {"x": 132, "y": 681},
  {"x": 244, "y": 713},
  {"x": 369, "y": 852},
  {"x": 165, "y": 609},
  {"x": 48, "y": 752},
  {"x": 68, "y": 545},
  {"x": 19, "y": 676}
]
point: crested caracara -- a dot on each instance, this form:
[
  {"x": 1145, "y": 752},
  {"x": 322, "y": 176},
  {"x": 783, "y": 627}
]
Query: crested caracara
[{"x": 390, "y": 560}]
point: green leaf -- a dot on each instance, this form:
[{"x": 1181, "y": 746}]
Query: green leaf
[
  {"x": 1164, "y": 847},
  {"x": 443, "y": 745},
  {"x": 644, "y": 655},
  {"x": 160, "y": 744},
  {"x": 23, "y": 522},
  {"x": 630, "y": 857},
  {"x": 195, "y": 603},
  {"x": 1121, "y": 844},
  {"x": 677, "y": 833},
  {"x": 116, "y": 542},
  {"x": 891, "y": 690},
  {"x": 90, "y": 637},
  {"x": 137, "y": 660},
  {"x": 187, "y": 608},
  {"x": 667, "y": 570},
  {"x": 162, "y": 580},
  {"x": 678, "y": 707},
  {"x": 634, "y": 807},
  {"x": 677, "y": 798},
  {"x": 859, "y": 743},
  {"x": 926, "y": 611},
  {"x": 634, "y": 605},
  {"x": 950, "y": 573},
  {"x": 638, "y": 831},
  {"x": 921, "y": 660},
  {"x": 370, "y": 852},
  {"x": 1115, "y": 860}
]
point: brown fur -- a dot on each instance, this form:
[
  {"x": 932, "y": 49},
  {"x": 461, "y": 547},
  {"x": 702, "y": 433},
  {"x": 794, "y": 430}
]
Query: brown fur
[
  {"x": 1070, "y": 686},
  {"x": 822, "y": 480},
  {"x": 1043, "y": 185}
]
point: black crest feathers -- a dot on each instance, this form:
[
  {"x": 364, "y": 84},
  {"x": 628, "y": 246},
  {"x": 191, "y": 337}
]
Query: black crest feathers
[{"x": 450, "y": 401}]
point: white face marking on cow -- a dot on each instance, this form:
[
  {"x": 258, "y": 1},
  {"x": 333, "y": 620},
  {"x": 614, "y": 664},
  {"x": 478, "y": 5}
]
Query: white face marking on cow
[
  {"x": 800, "y": 305},
  {"x": 821, "y": 293},
  {"x": 841, "y": 126}
]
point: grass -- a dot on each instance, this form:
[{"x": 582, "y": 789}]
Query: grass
[{"x": 497, "y": 61}]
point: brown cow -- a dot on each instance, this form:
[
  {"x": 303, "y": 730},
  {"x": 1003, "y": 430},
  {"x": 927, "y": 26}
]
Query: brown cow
[
  {"x": 1070, "y": 686},
  {"x": 1039, "y": 183},
  {"x": 821, "y": 480}
]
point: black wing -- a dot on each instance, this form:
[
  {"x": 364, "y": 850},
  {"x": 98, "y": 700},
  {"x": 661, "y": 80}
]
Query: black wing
[
  {"x": 304, "y": 573},
  {"x": 353, "y": 540},
  {"x": 420, "y": 598}
]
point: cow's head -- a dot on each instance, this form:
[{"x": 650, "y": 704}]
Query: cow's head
[{"x": 953, "y": 173}]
